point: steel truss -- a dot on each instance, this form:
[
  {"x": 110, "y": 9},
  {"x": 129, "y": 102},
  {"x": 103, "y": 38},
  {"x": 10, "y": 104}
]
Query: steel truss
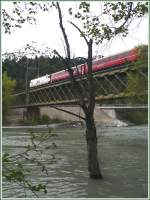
[{"x": 109, "y": 84}]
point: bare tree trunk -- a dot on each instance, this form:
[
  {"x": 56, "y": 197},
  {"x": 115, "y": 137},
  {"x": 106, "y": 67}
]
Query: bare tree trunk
[
  {"x": 91, "y": 138},
  {"x": 88, "y": 109}
]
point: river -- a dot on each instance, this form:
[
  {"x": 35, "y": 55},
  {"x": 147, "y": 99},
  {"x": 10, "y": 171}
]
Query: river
[{"x": 123, "y": 156}]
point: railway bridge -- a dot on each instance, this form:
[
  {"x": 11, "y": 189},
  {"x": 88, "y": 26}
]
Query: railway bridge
[{"x": 111, "y": 88}]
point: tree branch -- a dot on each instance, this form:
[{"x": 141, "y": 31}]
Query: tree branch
[
  {"x": 68, "y": 63},
  {"x": 66, "y": 111},
  {"x": 63, "y": 30},
  {"x": 126, "y": 18},
  {"x": 80, "y": 32},
  {"x": 56, "y": 52},
  {"x": 91, "y": 100}
]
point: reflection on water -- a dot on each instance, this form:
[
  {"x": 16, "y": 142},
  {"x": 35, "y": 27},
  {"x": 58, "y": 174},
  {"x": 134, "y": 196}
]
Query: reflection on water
[{"x": 123, "y": 158}]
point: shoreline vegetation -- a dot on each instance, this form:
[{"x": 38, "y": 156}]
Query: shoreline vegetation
[
  {"x": 121, "y": 120},
  {"x": 136, "y": 84}
]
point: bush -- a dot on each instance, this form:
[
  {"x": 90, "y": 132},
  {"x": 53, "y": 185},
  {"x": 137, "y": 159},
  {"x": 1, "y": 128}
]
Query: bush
[
  {"x": 8, "y": 86},
  {"x": 47, "y": 120},
  {"x": 44, "y": 119}
]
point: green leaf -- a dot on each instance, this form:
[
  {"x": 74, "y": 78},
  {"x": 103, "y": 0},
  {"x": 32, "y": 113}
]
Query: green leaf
[{"x": 5, "y": 157}]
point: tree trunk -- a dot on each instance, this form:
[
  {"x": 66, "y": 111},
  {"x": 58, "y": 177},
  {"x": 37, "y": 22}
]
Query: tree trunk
[{"x": 91, "y": 138}]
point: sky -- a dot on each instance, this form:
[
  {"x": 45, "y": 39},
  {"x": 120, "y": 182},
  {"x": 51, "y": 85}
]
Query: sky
[{"x": 47, "y": 33}]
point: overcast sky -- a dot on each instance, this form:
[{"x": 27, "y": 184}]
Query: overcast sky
[{"x": 47, "y": 32}]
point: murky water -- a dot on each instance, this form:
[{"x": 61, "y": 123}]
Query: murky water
[{"x": 123, "y": 155}]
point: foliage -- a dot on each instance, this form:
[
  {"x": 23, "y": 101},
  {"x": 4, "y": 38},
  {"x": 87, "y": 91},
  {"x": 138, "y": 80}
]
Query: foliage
[
  {"x": 45, "y": 119},
  {"x": 135, "y": 117},
  {"x": 137, "y": 81},
  {"x": 20, "y": 173},
  {"x": 118, "y": 17},
  {"x": 138, "y": 87},
  {"x": 16, "y": 69},
  {"x": 143, "y": 53},
  {"x": 120, "y": 14},
  {"x": 56, "y": 120},
  {"x": 8, "y": 86},
  {"x": 22, "y": 12}
]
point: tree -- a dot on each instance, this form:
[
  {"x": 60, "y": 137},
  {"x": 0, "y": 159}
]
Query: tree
[
  {"x": 91, "y": 33},
  {"x": 138, "y": 82},
  {"x": 8, "y": 86},
  {"x": 94, "y": 30}
]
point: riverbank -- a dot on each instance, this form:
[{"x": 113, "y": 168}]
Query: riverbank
[
  {"x": 105, "y": 117},
  {"x": 68, "y": 124}
]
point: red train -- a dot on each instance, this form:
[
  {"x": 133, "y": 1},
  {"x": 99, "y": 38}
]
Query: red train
[{"x": 98, "y": 65}]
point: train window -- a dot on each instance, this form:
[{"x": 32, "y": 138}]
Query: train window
[
  {"x": 103, "y": 60},
  {"x": 110, "y": 58},
  {"x": 79, "y": 67},
  {"x": 125, "y": 54}
]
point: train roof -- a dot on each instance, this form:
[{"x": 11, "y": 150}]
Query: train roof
[
  {"x": 113, "y": 55},
  {"x": 39, "y": 78}
]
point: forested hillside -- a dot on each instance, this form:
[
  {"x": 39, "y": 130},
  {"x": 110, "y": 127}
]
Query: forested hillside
[{"x": 38, "y": 66}]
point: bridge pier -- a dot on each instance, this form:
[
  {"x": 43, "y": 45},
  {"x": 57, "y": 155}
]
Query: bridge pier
[{"x": 33, "y": 113}]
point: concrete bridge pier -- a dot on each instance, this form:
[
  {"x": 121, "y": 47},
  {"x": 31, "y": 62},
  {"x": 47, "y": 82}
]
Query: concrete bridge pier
[{"x": 32, "y": 113}]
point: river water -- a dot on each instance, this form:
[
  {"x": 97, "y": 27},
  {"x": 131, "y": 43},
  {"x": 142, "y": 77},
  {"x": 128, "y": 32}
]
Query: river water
[{"x": 123, "y": 156}]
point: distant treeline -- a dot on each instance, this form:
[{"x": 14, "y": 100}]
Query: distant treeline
[{"x": 16, "y": 69}]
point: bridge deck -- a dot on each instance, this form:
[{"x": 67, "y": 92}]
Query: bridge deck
[{"x": 110, "y": 85}]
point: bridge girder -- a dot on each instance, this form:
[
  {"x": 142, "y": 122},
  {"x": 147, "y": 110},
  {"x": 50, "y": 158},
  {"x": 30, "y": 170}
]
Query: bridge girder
[{"x": 109, "y": 85}]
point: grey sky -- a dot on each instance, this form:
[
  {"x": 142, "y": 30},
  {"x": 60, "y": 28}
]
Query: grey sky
[{"x": 47, "y": 32}]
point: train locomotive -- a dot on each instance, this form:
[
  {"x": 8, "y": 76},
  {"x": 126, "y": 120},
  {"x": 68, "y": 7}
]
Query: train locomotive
[{"x": 97, "y": 65}]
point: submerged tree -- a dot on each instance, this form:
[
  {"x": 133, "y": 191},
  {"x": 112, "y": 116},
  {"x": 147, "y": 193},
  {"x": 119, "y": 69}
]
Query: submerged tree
[
  {"x": 96, "y": 31},
  {"x": 118, "y": 16}
]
